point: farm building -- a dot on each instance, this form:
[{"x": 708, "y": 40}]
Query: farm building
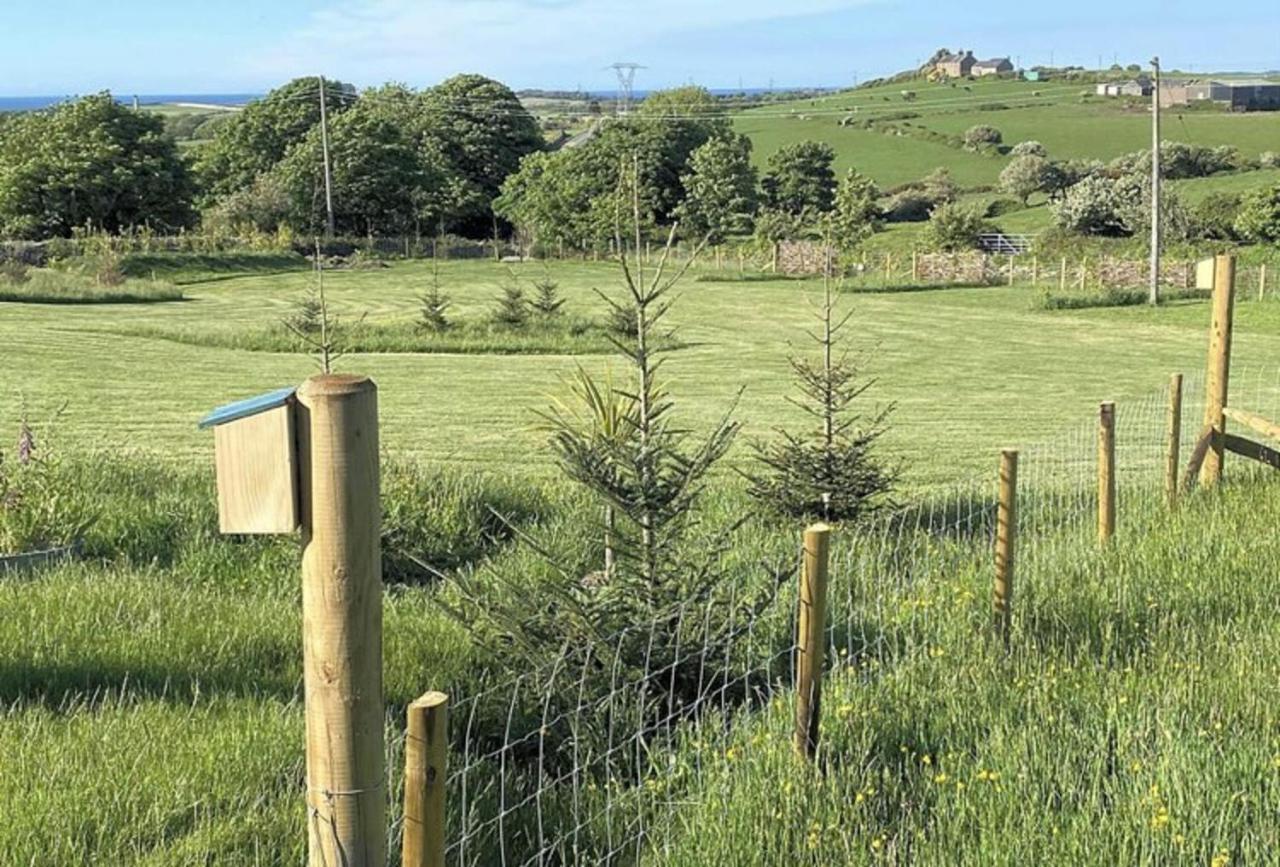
[
  {"x": 1134, "y": 87},
  {"x": 1237, "y": 94},
  {"x": 995, "y": 66},
  {"x": 958, "y": 65}
]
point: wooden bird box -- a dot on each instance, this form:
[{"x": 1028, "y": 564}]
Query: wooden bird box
[{"x": 256, "y": 455}]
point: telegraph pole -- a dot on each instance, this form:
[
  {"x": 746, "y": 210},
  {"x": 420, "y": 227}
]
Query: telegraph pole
[
  {"x": 1155, "y": 183},
  {"x": 328, "y": 179}
]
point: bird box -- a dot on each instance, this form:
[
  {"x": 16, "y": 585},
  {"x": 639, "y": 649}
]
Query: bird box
[
  {"x": 1204, "y": 274},
  {"x": 256, "y": 457}
]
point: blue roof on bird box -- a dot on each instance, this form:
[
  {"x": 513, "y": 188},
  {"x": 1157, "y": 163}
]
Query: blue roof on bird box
[{"x": 250, "y": 406}]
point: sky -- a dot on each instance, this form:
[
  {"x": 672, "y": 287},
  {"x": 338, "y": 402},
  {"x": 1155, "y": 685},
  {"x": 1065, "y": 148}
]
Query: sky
[{"x": 64, "y": 47}]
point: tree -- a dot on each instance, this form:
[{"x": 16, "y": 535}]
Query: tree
[
  {"x": 955, "y": 227},
  {"x": 855, "y": 214},
  {"x": 380, "y": 182},
  {"x": 482, "y": 131},
  {"x": 800, "y": 178},
  {"x": 829, "y": 473},
  {"x": 90, "y": 162},
  {"x": 1024, "y": 176},
  {"x": 982, "y": 137},
  {"x": 1259, "y": 219},
  {"x": 259, "y": 136},
  {"x": 720, "y": 189},
  {"x": 1089, "y": 208}
]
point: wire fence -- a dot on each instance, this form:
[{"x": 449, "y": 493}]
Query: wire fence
[{"x": 589, "y": 757}]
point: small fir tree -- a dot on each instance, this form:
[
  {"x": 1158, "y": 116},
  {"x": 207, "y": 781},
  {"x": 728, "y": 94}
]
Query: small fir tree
[{"x": 831, "y": 471}]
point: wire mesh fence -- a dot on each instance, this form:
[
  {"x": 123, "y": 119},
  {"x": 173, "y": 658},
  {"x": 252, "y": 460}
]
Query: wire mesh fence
[{"x": 590, "y": 756}]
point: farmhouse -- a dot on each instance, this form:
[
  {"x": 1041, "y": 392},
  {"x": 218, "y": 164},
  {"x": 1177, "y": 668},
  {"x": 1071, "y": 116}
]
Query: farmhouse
[
  {"x": 958, "y": 65},
  {"x": 995, "y": 66},
  {"x": 1236, "y": 94}
]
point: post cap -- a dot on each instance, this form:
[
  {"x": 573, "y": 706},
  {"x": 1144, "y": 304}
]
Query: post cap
[{"x": 336, "y": 385}]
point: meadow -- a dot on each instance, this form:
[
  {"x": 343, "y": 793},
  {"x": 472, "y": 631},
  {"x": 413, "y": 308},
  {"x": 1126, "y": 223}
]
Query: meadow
[{"x": 150, "y": 697}]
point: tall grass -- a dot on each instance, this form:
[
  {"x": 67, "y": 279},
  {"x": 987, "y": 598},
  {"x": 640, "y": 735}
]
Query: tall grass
[{"x": 48, "y": 286}]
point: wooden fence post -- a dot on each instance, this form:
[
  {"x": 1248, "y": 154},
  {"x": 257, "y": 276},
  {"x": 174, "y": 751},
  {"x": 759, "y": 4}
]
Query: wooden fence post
[
  {"x": 1106, "y": 472},
  {"x": 1006, "y": 544},
  {"x": 1013, "y": 270},
  {"x": 1262, "y": 281},
  {"x": 425, "y": 755},
  {"x": 1062, "y": 276},
  {"x": 342, "y": 620},
  {"x": 1084, "y": 273},
  {"x": 1035, "y": 271},
  {"x": 888, "y": 267},
  {"x": 1172, "y": 452},
  {"x": 1218, "y": 372},
  {"x": 811, "y": 638}
]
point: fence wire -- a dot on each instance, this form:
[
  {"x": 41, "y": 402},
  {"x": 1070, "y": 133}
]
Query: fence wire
[{"x": 588, "y": 758}]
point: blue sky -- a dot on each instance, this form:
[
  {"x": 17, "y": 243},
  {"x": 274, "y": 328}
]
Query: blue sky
[{"x": 60, "y": 47}]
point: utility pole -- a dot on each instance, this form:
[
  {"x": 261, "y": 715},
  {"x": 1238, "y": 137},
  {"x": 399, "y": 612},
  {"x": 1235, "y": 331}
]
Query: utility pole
[
  {"x": 1155, "y": 182},
  {"x": 328, "y": 179}
]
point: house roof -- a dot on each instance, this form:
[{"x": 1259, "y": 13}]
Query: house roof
[
  {"x": 994, "y": 62},
  {"x": 956, "y": 58}
]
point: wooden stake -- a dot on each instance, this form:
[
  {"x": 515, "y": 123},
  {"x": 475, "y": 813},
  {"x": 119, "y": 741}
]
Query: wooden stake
[
  {"x": 888, "y": 267},
  {"x": 1262, "y": 281},
  {"x": 1172, "y": 451},
  {"x": 1035, "y": 271},
  {"x": 811, "y": 638},
  {"x": 425, "y": 755},
  {"x": 1062, "y": 276},
  {"x": 1012, "y": 270},
  {"x": 1106, "y": 472},
  {"x": 342, "y": 621},
  {"x": 1218, "y": 372},
  {"x": 1006, "y": 544},
  {"x": 1084, "y": 272}
]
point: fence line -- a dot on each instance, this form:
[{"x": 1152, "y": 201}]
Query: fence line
[{"x": 589, "y": 758}]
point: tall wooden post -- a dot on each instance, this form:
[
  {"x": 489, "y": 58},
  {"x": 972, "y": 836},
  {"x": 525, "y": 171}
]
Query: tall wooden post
[
  {"x": 1013, "y": 270},
  {"x": 1062, "y": 276},
  {"x": 1218, "y": 372},
  {"x": 1262, "y": 281},
  {"x": 1006, "y": 544},
  {"x": 1035, "y": 270},
  {"x": 1172, "y": 452},
  {"x": 811, "y": 638},
  {"x": 1106, "y": 472},
  {"x": 342, "y": 621},
  {"x": 425, "y": 756}
]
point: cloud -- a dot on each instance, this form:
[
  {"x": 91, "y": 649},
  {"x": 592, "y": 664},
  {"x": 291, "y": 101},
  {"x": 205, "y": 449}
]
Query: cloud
[{"x": 370, "y": 41}]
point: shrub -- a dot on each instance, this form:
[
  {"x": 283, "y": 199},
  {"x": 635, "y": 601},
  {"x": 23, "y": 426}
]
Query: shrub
[
  {"x": 909, "y": 206},
  {"x": 1215, "y": 217},
  {"x": 1089, "y": 208},
  {"x": 1259, "y": 219},
  {"x": 1029, "y": 148},
  {"x": 982, "y": 137},
  {"x": 954, "y": 227},
  {"x": 15, "y": 272},
  {"x": 1269, "y": 160}
]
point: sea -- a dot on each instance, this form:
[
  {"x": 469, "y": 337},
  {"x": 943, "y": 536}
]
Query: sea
[{"x": 35, "y": 103}]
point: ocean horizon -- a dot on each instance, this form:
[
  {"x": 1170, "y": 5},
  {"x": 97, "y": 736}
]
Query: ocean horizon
[{"x": 35, "y": 103}]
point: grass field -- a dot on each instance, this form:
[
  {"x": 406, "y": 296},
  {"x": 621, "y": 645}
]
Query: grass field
[
  {"x": 150, "y": 708},
  {"x": 1052, "y": 113},
  {"x": 967, "y": 368}
]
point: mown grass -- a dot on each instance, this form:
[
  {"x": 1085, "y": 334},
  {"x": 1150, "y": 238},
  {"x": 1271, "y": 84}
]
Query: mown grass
[{"x": 963, "y": 365}]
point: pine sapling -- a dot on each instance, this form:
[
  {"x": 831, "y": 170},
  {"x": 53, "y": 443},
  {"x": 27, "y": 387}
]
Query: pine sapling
[{"x": 829, "y": 472}]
